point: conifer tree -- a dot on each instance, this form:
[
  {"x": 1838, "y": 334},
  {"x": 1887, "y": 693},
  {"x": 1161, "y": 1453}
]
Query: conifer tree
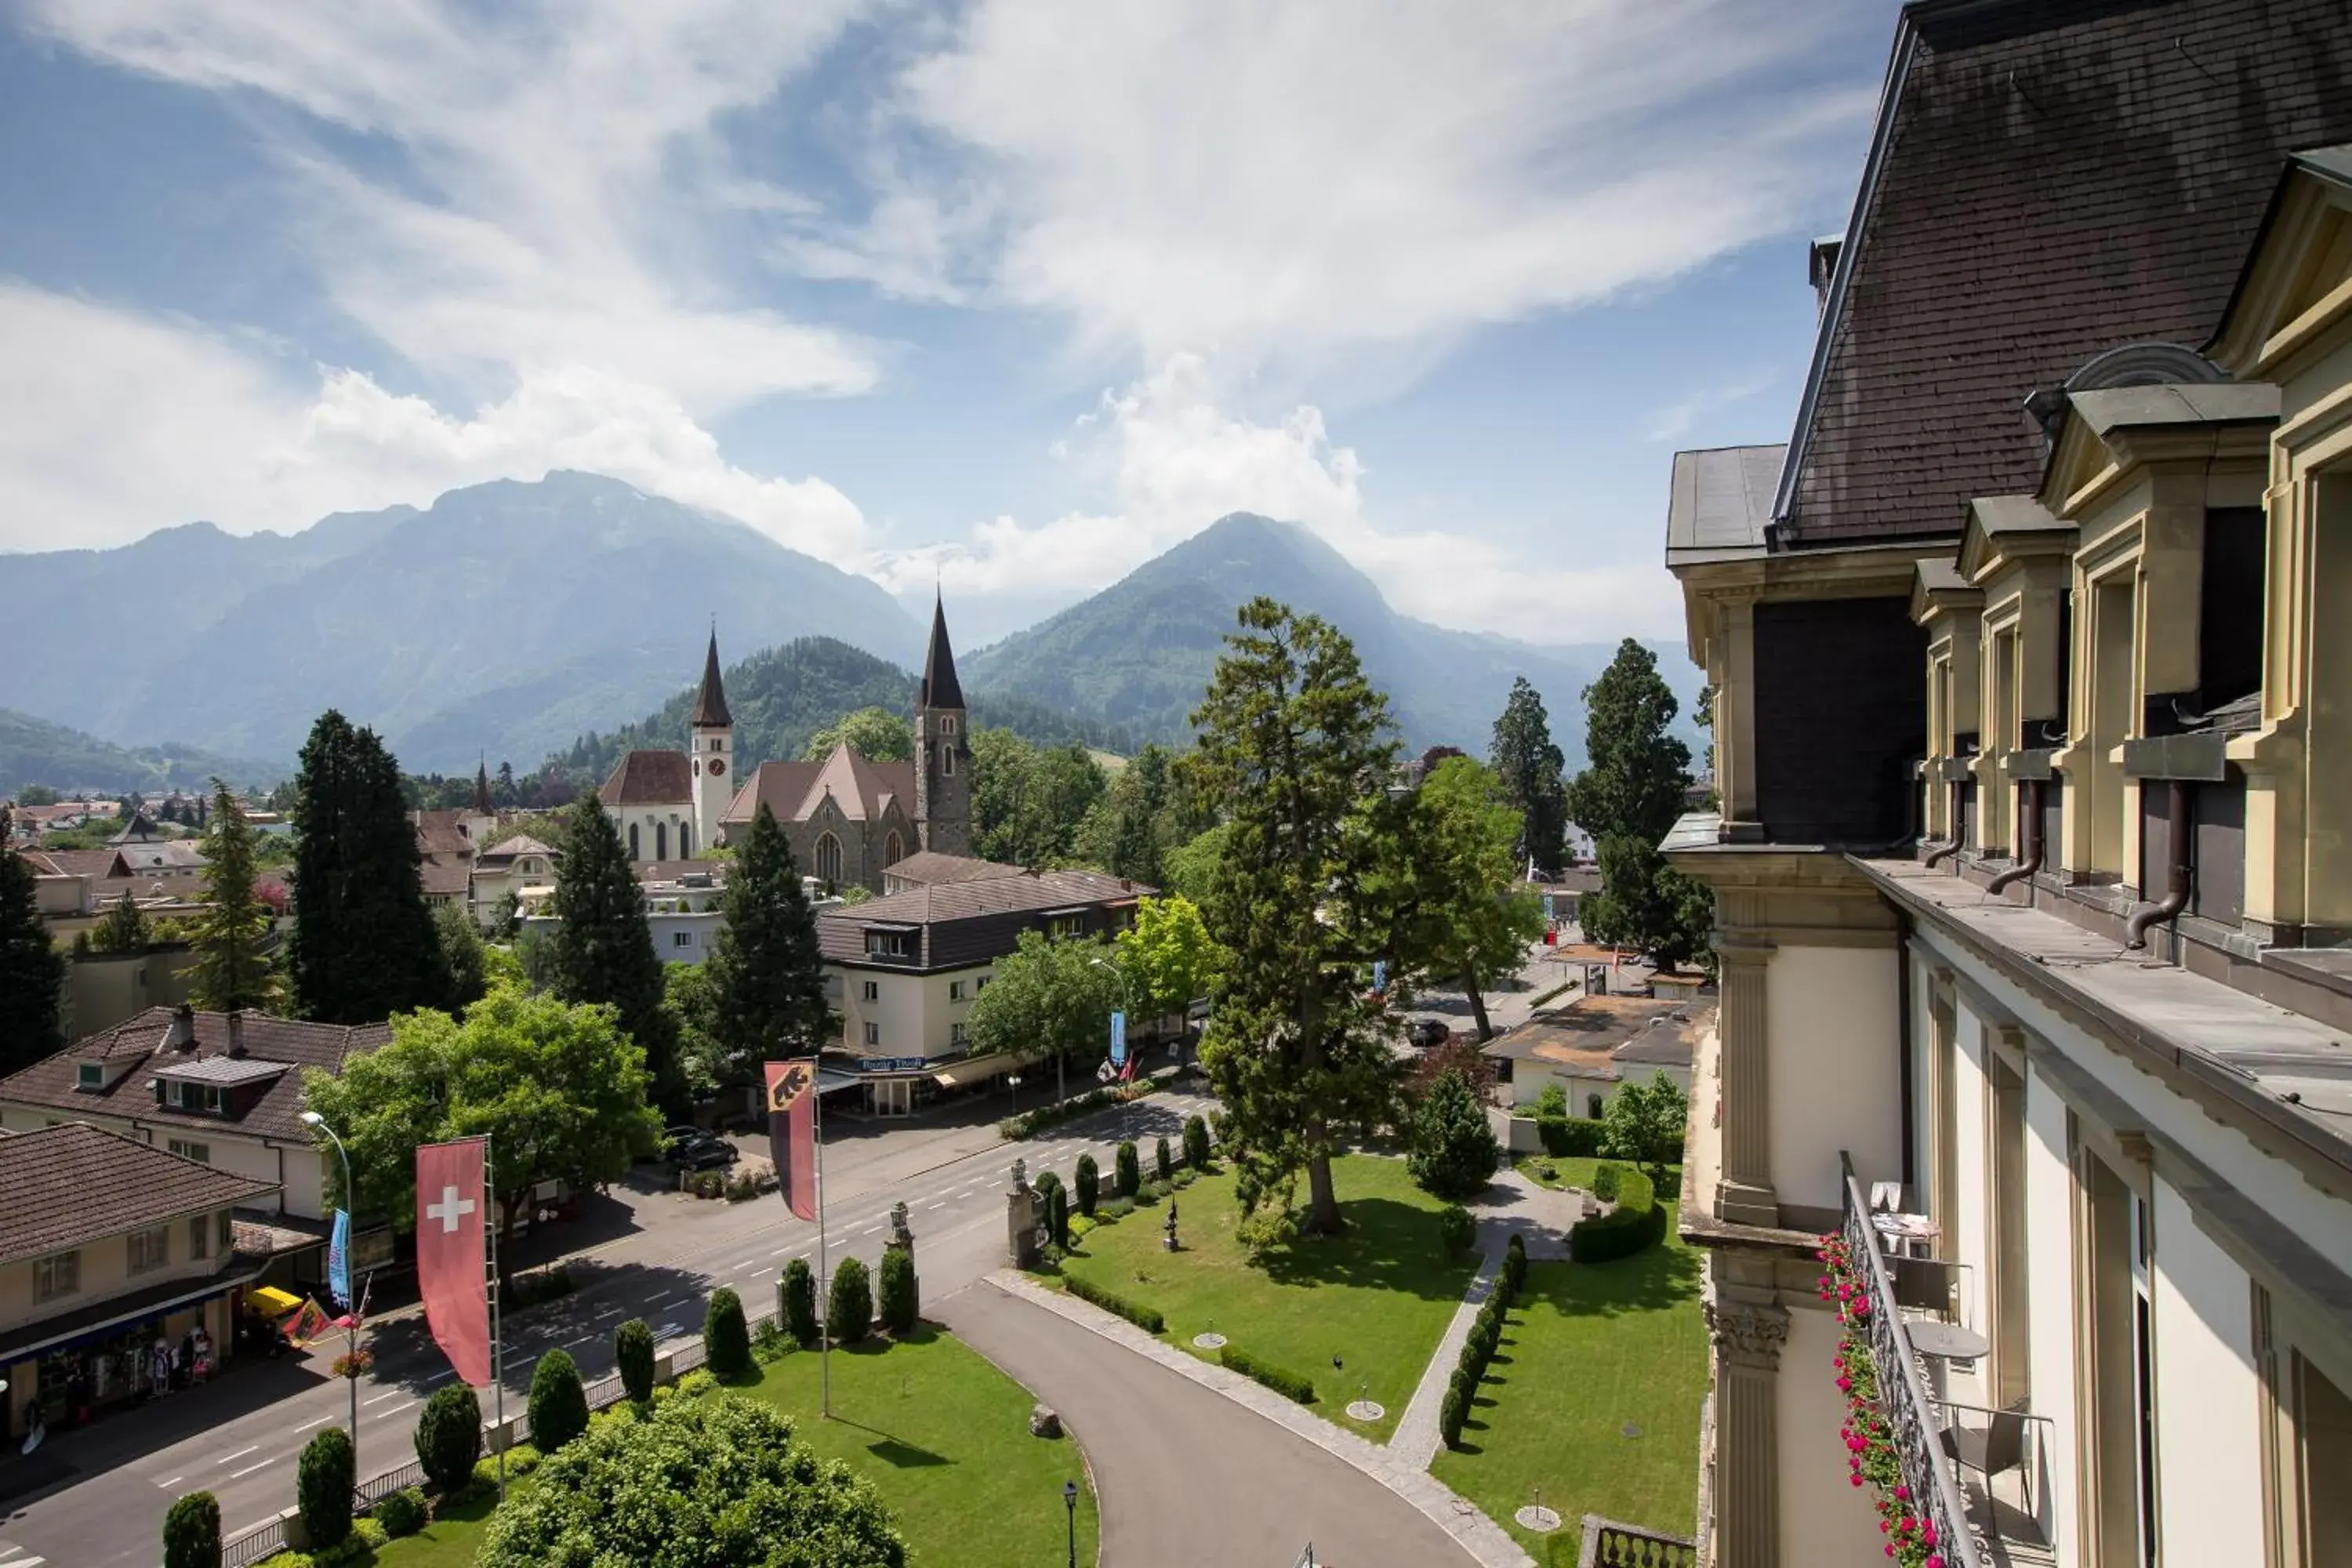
[
  {"x": 363, "y": 945},
  {"x": 767, "y": 975},
  {"x": 123, "y": 929},
  {"x": 1628, "y": 795},
  {"x": 233, "y": 971},
  {"x": 32, "y": 971},
  {"x": 604, "y": 948},
  {"x": 1528, "y": 768}
]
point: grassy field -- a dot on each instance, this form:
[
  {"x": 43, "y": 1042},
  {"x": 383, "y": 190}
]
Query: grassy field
[
  {"x": 1589, "y": 1350},
  {"x": 942, "y": 1434},
  {"x": 1377, "y": 1297}
]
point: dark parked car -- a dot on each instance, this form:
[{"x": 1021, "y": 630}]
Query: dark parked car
[
  {"x": 702, "y": 1153},
  {"x": 1428, "y": 1033}
]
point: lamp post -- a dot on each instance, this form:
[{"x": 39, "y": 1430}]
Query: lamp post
[
  {"x": 1070, "y": 1506},
  {"x": 350, "y": 1315},
  {"x": 1013, "y": 1081},
  {"x": 1126, "y": 994}
]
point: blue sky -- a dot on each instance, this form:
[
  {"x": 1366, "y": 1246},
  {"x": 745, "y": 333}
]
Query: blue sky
[{"x": 1007, "y": 296}]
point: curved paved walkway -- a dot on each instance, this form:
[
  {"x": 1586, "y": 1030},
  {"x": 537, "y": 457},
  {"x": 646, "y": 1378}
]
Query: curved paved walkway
[{"x": 1184, "y": 1474}]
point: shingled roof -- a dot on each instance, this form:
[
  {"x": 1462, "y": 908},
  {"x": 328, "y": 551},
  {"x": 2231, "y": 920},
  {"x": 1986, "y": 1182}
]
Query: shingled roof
[
  {"x": 71, "y": 1184},
  {"x": 710, "y": 702},
  {"x": 649, "y": 778},
  {"x": 967, "y": 922},
  {"x": 793, "y": 791},
  {"x": 2050, "y": 179}
]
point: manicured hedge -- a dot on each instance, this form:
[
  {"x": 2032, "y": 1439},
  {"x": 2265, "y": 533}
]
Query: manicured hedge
[
  {"x": 1565, "y": 1137},
  {"x": 1635, "y": 1225},
  {"x": 1283, "y": 1380},
  {"x": 1485, "y": 1338},
  {"x": 1142, "y": 1316}
]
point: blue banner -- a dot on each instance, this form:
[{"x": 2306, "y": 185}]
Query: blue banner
[
  {"x": 338, "y": 1261},
  {"x": 1118, "y": 1038},
  {"x": 1380, "y": 975},
  {"x": 1547, "y": 915}
]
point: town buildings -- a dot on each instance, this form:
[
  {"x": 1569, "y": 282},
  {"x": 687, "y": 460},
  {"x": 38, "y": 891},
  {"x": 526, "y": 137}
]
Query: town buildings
[
  {"x": 1592, "y": 1045},
  {"x": 2034, "y": 682}
]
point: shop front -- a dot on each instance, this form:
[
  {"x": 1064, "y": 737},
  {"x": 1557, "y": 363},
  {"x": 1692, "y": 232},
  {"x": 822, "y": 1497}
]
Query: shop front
[{"x": 70, "y": 1369}]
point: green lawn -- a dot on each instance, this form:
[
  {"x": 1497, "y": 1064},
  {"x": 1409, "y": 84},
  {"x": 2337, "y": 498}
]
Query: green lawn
[
  {"x": 1379, "y": 1297},
  {"x": 942, "y": 1434},
  {"x": 1589, "y": 1349}
]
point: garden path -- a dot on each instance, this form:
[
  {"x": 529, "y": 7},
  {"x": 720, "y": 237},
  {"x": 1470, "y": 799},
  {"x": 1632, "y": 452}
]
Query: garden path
[{"x": 1416, "y": 1439}]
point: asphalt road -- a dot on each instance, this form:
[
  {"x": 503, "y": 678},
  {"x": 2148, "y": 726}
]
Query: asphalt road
[{"x": 238, "y": 1438}]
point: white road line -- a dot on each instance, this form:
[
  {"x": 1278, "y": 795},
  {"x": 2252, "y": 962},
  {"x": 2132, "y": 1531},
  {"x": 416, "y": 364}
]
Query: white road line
[
  {"x": 659, "y": 1300},
  {"x": 609, "y": 1312},
  {"x": 379, "y": 1399},
  {"x": 174, "y": 1481},
  {"x": 321, "y": 1421},
  {"x": 747, "y": 1263},
  {"x": 240, "y": 1454},
  {"x": 870, "y": 1230},
  {"x": 442, "y": 1376},
  {"x": 940, "y": 1204},
  {"x": 578, "y": 1339},
  {"x": 239, "y": 1475},
  {"x": 395, "y": 1409}
]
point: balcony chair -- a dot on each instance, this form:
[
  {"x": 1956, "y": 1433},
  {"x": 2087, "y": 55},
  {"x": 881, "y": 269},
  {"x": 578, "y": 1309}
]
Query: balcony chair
[{"x": 1995, "y": 1446}]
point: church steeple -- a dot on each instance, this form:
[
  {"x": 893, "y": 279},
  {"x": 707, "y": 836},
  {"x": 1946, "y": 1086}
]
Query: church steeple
[
  {"x": 939, "y": 687},
  {"x": 942, "y": 753},
  {"x": 711, "y": 742},
  {"x": 710, "y": 702}
]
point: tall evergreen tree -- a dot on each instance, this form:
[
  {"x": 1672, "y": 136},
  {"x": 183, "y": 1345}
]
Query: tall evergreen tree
[
  {"x": 32, "y": 971},
  {"x": 1295, "y": 746},
  {"x": 1528, "y": 768},
  {"x": 766, "y": 973},
  {"x": 123, "y": 930},
  {"x": 363, "y": 945},
  {"x": 232, "y": 969},
  {"x": 604, "y": 948},
  {"x": 1628, "y": 795}
]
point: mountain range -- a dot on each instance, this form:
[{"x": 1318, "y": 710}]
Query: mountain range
[
  {"x": 522, "y": 620},
  {"x": 34, "y": 751}
]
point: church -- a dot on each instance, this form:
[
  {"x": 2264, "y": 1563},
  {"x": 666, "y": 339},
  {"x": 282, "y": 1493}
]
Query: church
[{"x": 847, "y": 817}]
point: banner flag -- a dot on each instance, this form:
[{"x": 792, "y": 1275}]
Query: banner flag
[
  {"x": 792, "y": 1133},
  {"x": 339, "y": 1260},
  {"x": 305, "y": 1325},
  {"x": 453, "y": 1254},
  {"x": 1118, "y": 1038},
  {"x": 1380, "y": 975}
]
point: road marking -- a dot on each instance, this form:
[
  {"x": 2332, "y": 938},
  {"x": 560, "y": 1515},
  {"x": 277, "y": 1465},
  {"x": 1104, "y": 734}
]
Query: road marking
[
  {"x": 578, "y": 1339},
  {"x": 322, "y": 1421},
  {"x": 929, "y": 1207},
  {"x": 967, "y": 1192},
  {"x": 174, "y": 1481},
  {"x": 609, "y": 1312},
  {"x": 379, "y": 1399},
  {"x": 442, "y": 1376},
  {"x": 747, "y": 1263},
  {"x": 870, "y": 1230},
  {"x": 240, "y": 1454},
  {"x": 395, "y": 1409},
  {"x": 239, "y": 1475},
  {"x": 659, "y": 1300}
]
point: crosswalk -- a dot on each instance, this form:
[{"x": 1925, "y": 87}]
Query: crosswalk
[{"x": 14, "y": 1556}]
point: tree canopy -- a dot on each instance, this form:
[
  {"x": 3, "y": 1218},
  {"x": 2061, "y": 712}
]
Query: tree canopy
[
  {"x": 1527, "y": 772},
  {"x": 1479, "y": 918},
  {"x": 878, "y": 734},
  {"x": 1643, "y": 1122},
  {"x": 32, "y": 971},
  {"x": 364, "y": 946},
  {"x": 1168, "y": 956},
  {"x": 602, "y": 950},
  {"x": 767, "y": 977},
  {"x": 1047, "y": 997},
  {"x": 1191, "y": 868},
  {"x": 230, "y": 935},
  {"x": 1030, "y": 805},
  {"x": 1627, "y": 798}
]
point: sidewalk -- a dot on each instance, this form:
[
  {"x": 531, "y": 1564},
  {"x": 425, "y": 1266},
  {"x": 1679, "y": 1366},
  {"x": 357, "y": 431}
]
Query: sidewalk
[{"x": 1417, "y": 1438}]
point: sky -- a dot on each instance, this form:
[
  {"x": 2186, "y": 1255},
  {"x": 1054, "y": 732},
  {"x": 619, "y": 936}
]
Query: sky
[{"x": 1003, "y": 296}]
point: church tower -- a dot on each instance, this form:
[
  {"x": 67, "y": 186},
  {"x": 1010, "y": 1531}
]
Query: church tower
[
  {"x": 942, "y": 749},
  {"x": 711, "y": 739}
]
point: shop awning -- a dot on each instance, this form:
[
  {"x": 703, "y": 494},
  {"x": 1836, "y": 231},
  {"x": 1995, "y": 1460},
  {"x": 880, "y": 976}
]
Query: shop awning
[
  {"x": 110, "y": 1319},
  {"x": 271, "y": 1302},
  {"x": 971, "y": 1070}
]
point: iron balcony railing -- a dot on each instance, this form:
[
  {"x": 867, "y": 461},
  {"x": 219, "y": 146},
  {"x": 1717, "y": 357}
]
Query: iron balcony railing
[{"x": 1912, "y": 1418}]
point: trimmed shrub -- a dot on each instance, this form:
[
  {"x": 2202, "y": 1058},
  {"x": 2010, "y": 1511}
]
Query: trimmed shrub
[
  {"x": 800, "y": 1300},
  {"x": 1046, "y": 1184},
  {"x": 1283, "y": 1380},
  {"x": 697, "y": 1384},
  {"x": 1088, "y": 1178},
  {"x": 1057, "y": 1216},
  {"x": 901, "y": 1295},
  {"x": 1605, "y": 1180},
  {"x": 633, "y": 1356},
  {"x": 849, "y": 1306},
  {"x": 769, "y": 1344},
  {"x": 1196, "y": 1142},
  {"x": 322, "y": 1487},
  {"x": 1569, "y": 1137},
  {"x": 1142, "y": 1316},
  {"x": 1163, "y": 1161},
  {"x": 725, "y": 1338},
  {"x": 1116, "y": 1209},
  {"x": 192, "y": 1532},
  {"x": 1635, "y": 1225},
  {"x": 367, "y": 1535},
  {"x": 1457, "y": 1231},
  {"x": 559, "y": 1406},
  {"x": 402, "y": 1513},
  {"x": 1449, "y": 1416},
  {"x": 1184, "y": 1177},
  {"x": 1129, "y": 1169},
  {"x": 450, "y": 1437},
  {"x": 1515, "y": 1266}
]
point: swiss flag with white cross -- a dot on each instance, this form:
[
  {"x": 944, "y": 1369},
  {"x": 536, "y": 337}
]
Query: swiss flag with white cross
[{"x": 452, "y": 1258}]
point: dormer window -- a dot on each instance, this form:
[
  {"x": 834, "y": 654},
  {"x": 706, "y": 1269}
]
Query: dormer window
[
  {"x": 90, "y": 1077},
  {"x": 882, "y": 943}
]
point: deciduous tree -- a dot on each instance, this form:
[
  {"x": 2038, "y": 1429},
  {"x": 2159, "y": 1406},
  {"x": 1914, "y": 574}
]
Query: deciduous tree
[
  {"x": 123, "y": 930},
  {"x": 603, "y": 949},
  {"x": 461, "y": 954},
  {"x": 1049, "y": 997},
  {"x": 1528, "y": 771},
  {"x": 767, "y": 977},
  {"x": 874, "y": 734},
  {"x": 1643, "y": 1122},
  {"x": 230, "y": 935},
  {"x": 1478, "y": 918},
  {"x": 1189, "y": 869},
  {"x": 1168, "y": 956}
]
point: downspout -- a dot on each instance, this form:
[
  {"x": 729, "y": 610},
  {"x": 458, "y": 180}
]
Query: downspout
[
  {"x": 1903, "y": 1038},
  {"x": 2033, "y": 861},
  {"x": 1952, "y": 808},
  {"x": 2175, "y": 891}
]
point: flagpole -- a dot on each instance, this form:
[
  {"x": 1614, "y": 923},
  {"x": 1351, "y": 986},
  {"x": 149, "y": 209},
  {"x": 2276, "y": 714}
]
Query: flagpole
[
  {"x": 824, "y": 1279},
  {"x": 497, "y": 1339}
]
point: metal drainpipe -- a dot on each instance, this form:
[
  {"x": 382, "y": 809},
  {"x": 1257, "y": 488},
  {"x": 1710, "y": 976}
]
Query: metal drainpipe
[
  {"x": 1951, "y": 805},
  {"x": 2176, "y": 891},
  {"x": 2033, "y": 861}
]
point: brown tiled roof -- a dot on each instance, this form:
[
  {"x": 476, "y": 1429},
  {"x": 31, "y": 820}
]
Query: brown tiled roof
[
  {"x": 959, "y": 923},
  {"x": 793, "y": 791},
  {"x": 72, "y": 1184},
  {"x": 1585, "y": 1033},
  {"x": 443, "y": 876},
  {"x": 521, "y": 844},
  {"x": 443, "y": 833},
  {"x": 135, "y": 1047},
  {"x": 2060, "y": 177},
  {"x": 649, "y": 778},
  {"x": 931, "y": 867}
]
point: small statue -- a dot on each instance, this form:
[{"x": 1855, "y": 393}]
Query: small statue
[
  {"x": 1020, "y": 1174},
  {"x": 900, "y": 1235},
  {"x": 1171, "y": 1225}
]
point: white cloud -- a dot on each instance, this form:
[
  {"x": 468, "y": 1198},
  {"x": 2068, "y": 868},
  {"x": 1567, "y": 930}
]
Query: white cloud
[
  {"x": 1307, "y": 189},
  {"x": 1675, "y": 420},
  {"x": 112, "y": 422}
]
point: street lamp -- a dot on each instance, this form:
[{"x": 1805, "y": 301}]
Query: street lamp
[
  {"x": 1070, "y": 1505},
  {"x": 350, "y": 1315},
  {"x": 1014, "y": 1081},
  {"x": 1126, "y": 995}
]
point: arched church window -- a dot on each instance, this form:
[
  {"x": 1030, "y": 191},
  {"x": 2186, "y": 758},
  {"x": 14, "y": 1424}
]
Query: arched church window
[
  {"x": 947, "y": 758},
  {"x": 686, "y": 841},
  {"x": 892, "y": 849},
  {"x": 633, "y": 842},
  {"x": 661, "y": 840},
  {"x": 828, "y": 858}
]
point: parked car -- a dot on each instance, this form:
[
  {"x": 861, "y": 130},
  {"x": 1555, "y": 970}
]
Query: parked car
[
  {"x": 1428, "y": 1033},
  {"x": 703, "y": 1153}
]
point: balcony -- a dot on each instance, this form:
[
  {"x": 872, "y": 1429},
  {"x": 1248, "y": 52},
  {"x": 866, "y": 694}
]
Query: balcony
[{"x": 1972, "y": 1474}]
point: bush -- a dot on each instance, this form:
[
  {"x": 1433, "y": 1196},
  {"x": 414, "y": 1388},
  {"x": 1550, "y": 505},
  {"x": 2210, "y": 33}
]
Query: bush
[
  {"x": 559, "y": 1406},
  {"x": 1604, "y": 1182},
  {"x": 1454, "y": 1151},
  {"x": 450, "y": 1437},
  {"x": 1057, "y": 1216},
  {"x": 1551, "y": 1105},
  {"x": 1184, "y": 1177},
  {"x": 725, "y": 1338},
  {"x": 1568, "y": 1137},
  {"x": 368, "y": 1534},
  {"x": 322, "y": 1487},
  {"x": 1515, "y": 1266},
  {"x": 741, "y": 1184},
  {"x": 1142, "y": 1316},
  {"x": 1196, "y": 1142},
  {"x": 698, "y": 1383},
  {"x": 632, "y": 1355},
  {"x": 768, "y": 1341},
  {"x": 1457, "y": 1231},
  {"x": 1163, "y": 1161},
  {"x": 1151, "y": 1193},
  {"x": 1118, "y": 1208},
  {"x": 800, "y": 1300},
  {"x": 1268, "y": 1230},
  {"x": 1283, "y": 1380},
  {"x": 1449, "y": 1416},
  {"x": 901, "y": 1295},
  {"x": 1046, "y": 1184},
  {"x": 1635, "y": 1225},
  {"x": 402, "y": 1513},
  {"x": 192, "y": 1532},
  {"x": 849, "y": 1306},
  {"x": 1129, "y": 1169},
  {"x": 1090, "y": 1185}
]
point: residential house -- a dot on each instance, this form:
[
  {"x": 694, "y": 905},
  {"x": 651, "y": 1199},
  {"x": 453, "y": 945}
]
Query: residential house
[
  {"x": 2029, "y": 874},
  {"x": 929, "y": 867},
  {"x": 903, "y": 969},
  {"x": 520, "y": 865},
  {"x": 683, "y": 909},
  {"x": 108, "y": 1248},
  {"x": 1593, "y": 1045}
]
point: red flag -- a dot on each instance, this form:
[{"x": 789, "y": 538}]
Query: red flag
[
  {"x": 792, "y": 1133},
  {"x": 452, "y": 1261}
]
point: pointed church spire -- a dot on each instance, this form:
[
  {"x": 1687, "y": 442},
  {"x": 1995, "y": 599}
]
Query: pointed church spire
[
  {"x": 482, "y": 786},
  {"x": 939, "y": 687},
  {"x": 710, "y": 702}
]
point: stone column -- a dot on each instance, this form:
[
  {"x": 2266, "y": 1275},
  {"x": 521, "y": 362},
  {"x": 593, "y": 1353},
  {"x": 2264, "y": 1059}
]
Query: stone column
[
  {"x": 1734, "y": 719},
  {"x": 1747, "y": 1339},
  {"x": 1744, "y": 1194}
]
